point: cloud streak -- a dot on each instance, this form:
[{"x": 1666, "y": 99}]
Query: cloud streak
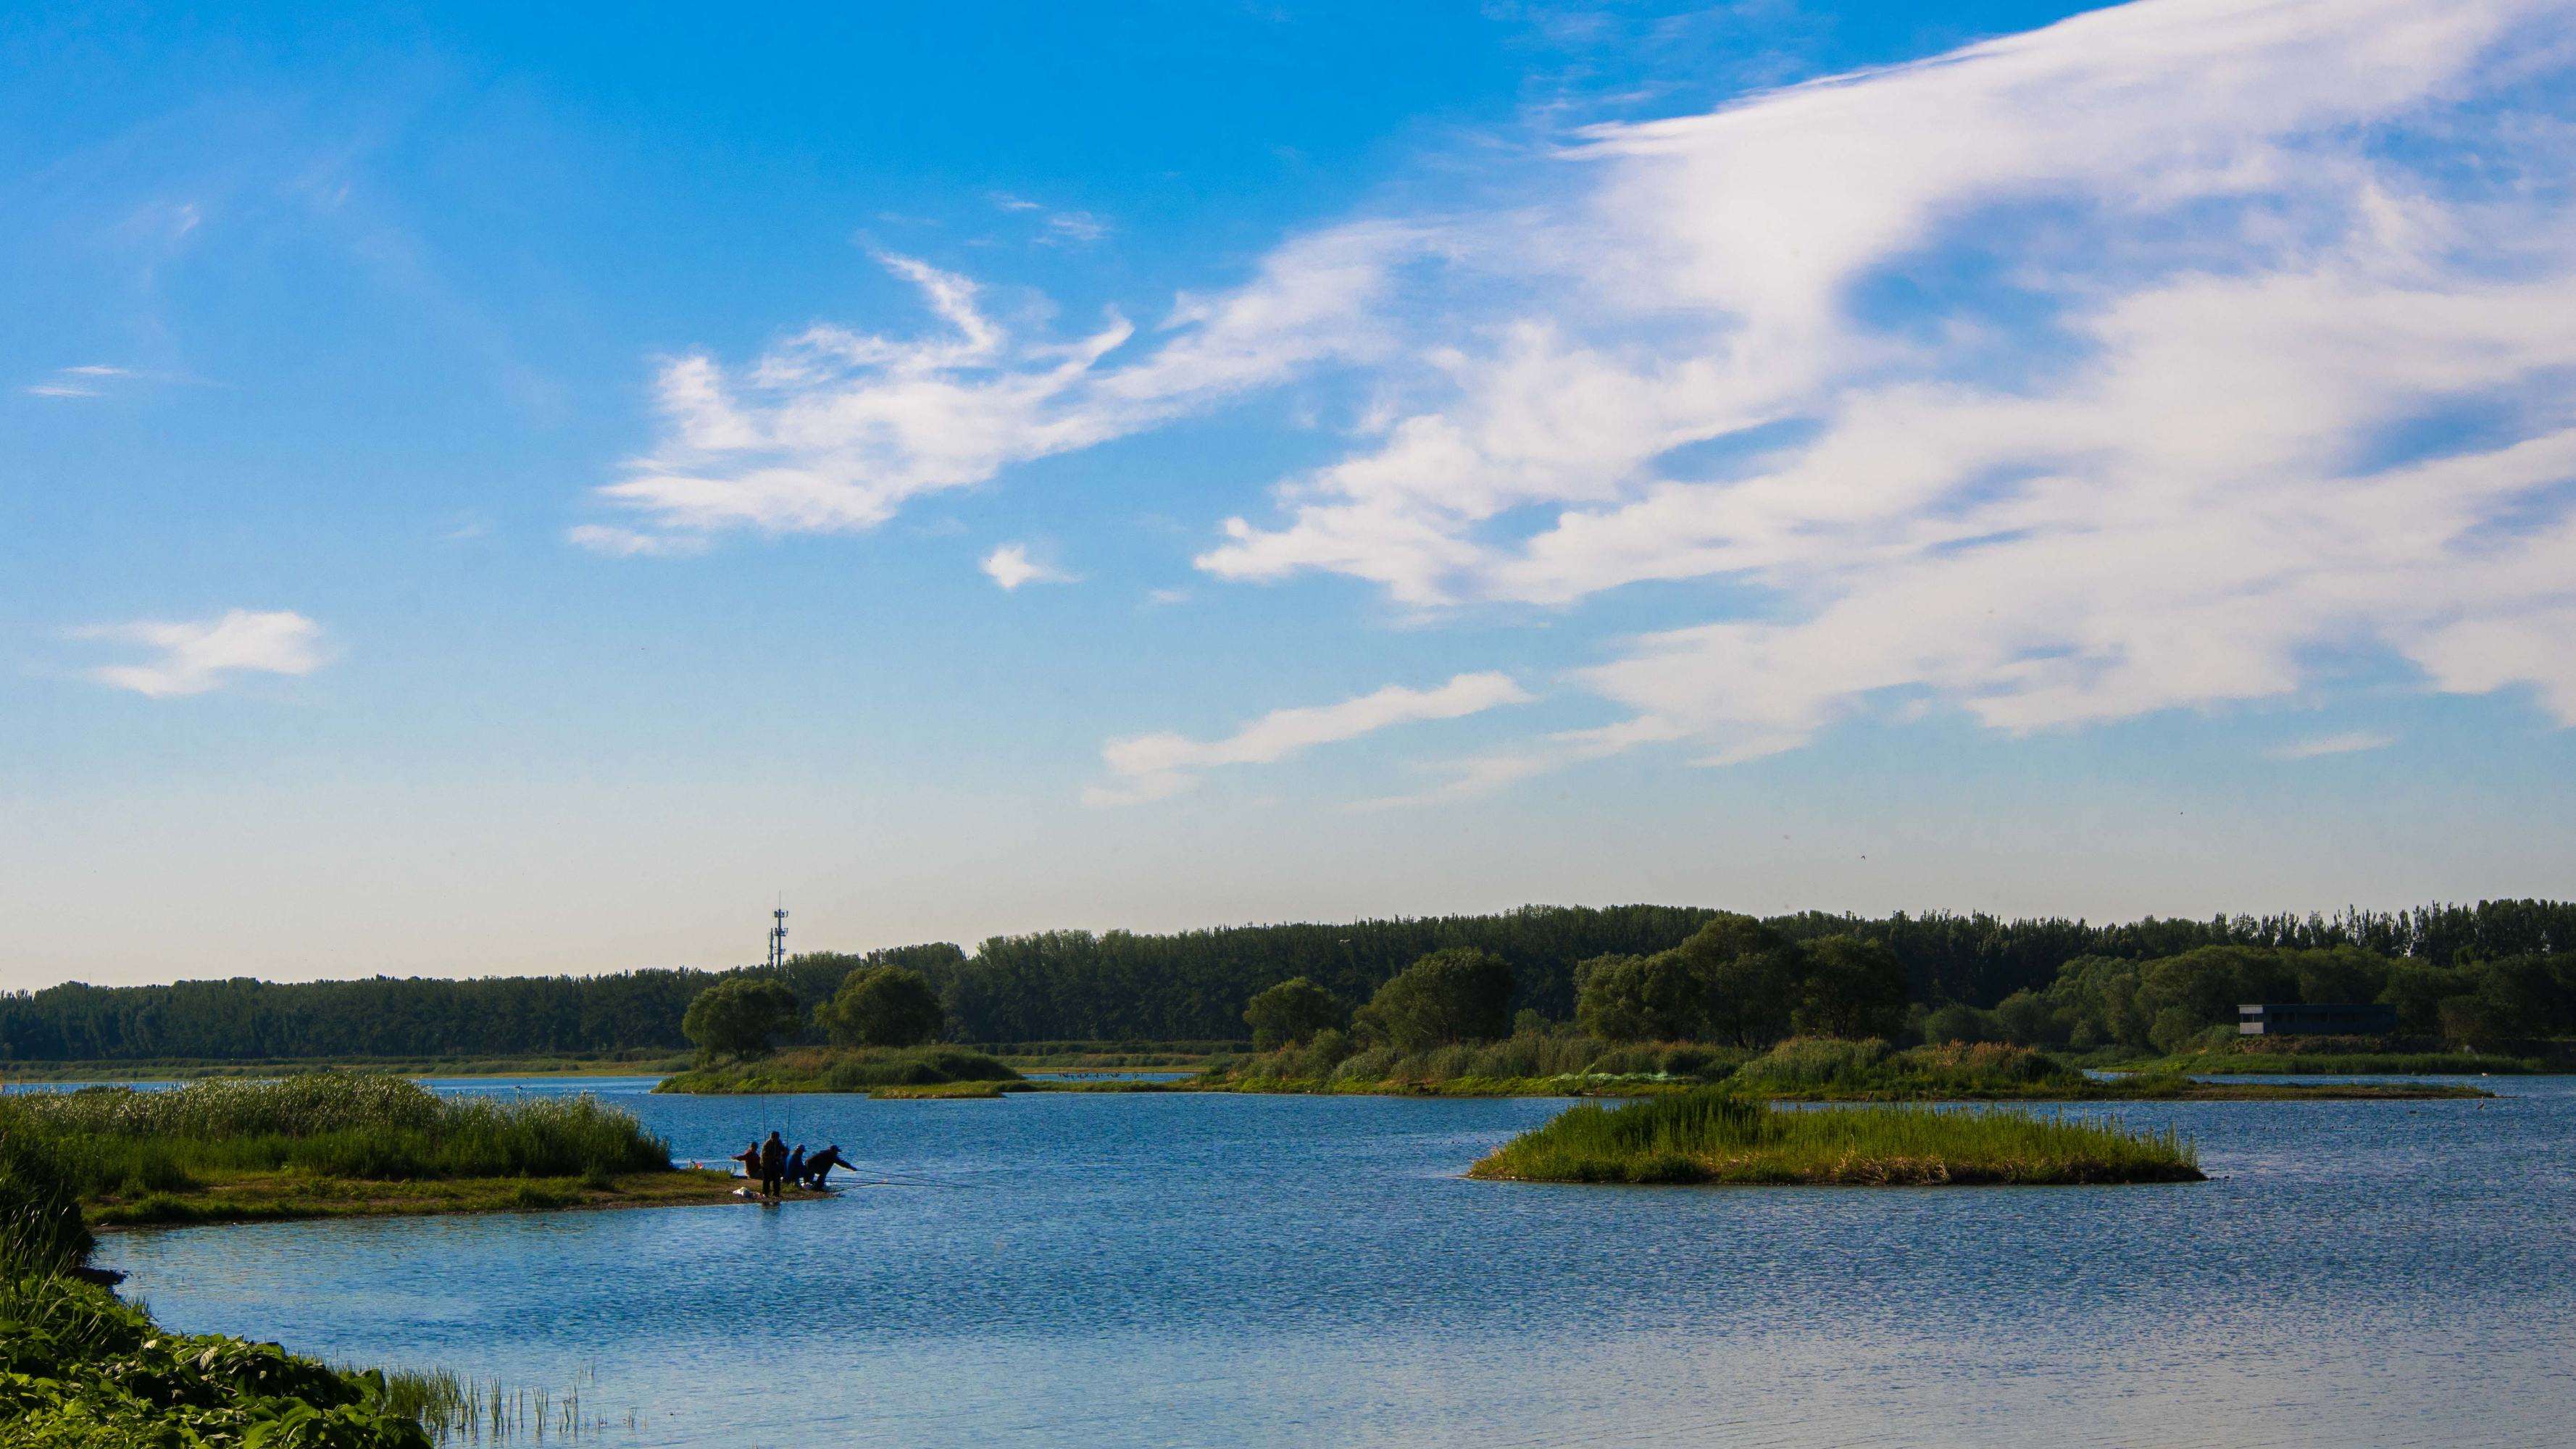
[
  {"x": 199, "y": 655},
  {"x": 831, "y": 430},
  {"x": 2351, "y": 742},
  {"x": 2135, "y": 363},
  {"x": 2168, "y": 277},
  {"x": 1154, "y": 766}
]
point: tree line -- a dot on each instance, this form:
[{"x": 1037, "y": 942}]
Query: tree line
[{"x": 1193, "y": 985}]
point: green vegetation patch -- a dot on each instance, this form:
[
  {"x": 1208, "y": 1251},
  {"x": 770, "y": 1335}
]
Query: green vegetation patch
[
  {"x": 2350, "y": 1060},
  {"x": 936, "y": 1091},
  {"x": 1716, "y": 1137},
  {"x": 337, "y": 1144},
  {"x": 842, "y": 1069},
  {"x": 1532, "y": 1064},
  {"x": 81, "y": 1369}
]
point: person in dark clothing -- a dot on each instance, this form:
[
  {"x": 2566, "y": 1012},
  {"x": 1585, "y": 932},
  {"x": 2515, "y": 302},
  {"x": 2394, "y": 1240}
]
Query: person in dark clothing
[
  {"x": 773, "y": 1165},
  {"x": 796, "y": 1166},
  {"x": 749, "y": 1157},
  {"x": 819, "y": 1166}
]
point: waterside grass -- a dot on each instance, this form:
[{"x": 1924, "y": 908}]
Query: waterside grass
[
  {"x": 340, "y": 1144},
  {"x": 2353, "y": 1063},
  {"x": 82, "y": 1369},
  {"x": 1802, "y": 1069},
  {"x": 842, "y": 1069},
  {"x": 1717, "y": 1137},
  {"x": 936, "y": 1092}
]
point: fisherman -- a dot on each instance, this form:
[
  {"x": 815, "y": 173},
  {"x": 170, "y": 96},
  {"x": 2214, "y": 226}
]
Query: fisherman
[
  {"x": 796, "y": 1166},
  {"x": 773, "y": 1165},
  {"x": 820, "y": 1165},
  {"x": 749, "y": 1157}
]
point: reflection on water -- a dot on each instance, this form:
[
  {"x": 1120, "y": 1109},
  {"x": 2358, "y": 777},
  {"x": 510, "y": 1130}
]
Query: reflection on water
[{"x": 1195, "y": 1270}]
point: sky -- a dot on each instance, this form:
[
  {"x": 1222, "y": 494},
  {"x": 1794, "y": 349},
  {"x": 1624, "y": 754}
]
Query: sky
[{"x": 506, "y": 489}]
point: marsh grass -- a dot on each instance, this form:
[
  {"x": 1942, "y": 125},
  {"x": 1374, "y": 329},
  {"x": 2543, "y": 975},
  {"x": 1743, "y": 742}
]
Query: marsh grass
[
  {"x": 936, "y": 1092},
  {"x": 843, "y": 1069},
  {"x": 1717, "y": 1137},
  {"x": 1828, "y": 1068},
  {"x": 2320, "y": 1064},
  {"x": 460, "y": 1409},
  {"x": 1518, "y": 1066},
  {"x": 336, "y": 1144}
]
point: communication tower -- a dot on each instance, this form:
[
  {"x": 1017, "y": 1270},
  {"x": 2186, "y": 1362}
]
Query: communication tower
[{"x": 778, "y": 940}]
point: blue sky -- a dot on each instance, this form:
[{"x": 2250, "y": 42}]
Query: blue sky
[{"x": 489, "y": 492}]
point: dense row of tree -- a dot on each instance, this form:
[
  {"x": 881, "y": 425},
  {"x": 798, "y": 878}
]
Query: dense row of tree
[
  {"x": 1077, "y": 985},
  {"x": 2172, "y": 1002}
]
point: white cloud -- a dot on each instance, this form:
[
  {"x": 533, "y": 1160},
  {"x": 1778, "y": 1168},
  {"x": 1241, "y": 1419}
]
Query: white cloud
[
  {"x": 1078, "y": 228},
  {"x": 629, "y": 543},
  {"x": 198, "y": 655},
  {"x": 833, "y": 430},
  {"x": 1152, "y": 767},
  {"x": 89, "y": 379},
  {"x": 2071, "y": 376},
  {"x": 2348, "y": 743},
  {"x": 1010, "y": 566},
  {"x": 2170, "y": 274},
  {"x": 1060, "y": 228}
]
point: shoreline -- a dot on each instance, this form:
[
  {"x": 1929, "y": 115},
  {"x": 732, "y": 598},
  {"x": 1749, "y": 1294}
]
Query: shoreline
[{"x": 284, "y": 1197}]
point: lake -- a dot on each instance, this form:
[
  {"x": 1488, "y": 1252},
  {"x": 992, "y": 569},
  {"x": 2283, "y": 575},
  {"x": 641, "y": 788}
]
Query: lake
[{"x": 1070, "y": 1270}]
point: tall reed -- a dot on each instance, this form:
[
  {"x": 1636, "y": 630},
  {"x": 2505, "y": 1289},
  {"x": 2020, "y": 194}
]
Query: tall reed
[
  {"x": 338, "y": 1124},
  {"x": 1714, "y": 1136}
]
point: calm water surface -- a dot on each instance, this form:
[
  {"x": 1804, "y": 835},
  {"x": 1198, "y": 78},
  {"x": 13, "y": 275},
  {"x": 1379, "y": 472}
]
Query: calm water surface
[{"x": 1225, "y": 1270}]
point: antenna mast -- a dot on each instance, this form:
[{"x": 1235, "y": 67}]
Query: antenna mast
[{"x": 778, "y": 941}]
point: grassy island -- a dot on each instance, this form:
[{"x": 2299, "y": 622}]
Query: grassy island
[
  {"x": 847, "y": 1069},
  {"x": 338, "y": 1145},
  {"x": 1715, "y": 1137},
  {"x": 1802, "y": 1069}
]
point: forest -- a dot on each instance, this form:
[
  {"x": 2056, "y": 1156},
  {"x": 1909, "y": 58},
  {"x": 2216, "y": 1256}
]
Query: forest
[{"x": 1120, "y": 986}]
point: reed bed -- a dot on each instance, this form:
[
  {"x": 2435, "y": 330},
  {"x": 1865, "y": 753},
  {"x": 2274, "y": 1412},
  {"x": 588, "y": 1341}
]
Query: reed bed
[
  {"x": 1716, "y": 1137},
  {"x": 843, "y": 1069},
  {"x": 1830, "y": 1068},
  {"x": 1531, "y": 1064},
  {"x": 329, "y": 1124},
  {"x": 2321, "y": 1064}
]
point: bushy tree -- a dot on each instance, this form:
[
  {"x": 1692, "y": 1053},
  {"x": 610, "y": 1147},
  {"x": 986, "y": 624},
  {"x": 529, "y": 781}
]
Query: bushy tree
[
  {"x": 1641, "y": 998},
  {"x": 1457, "y": 995},
  {"x": 741, "y": 1015},
  {"x": 1751, "y": 971},
  {"x": 884, "y": 1006},
  {"x": 1849, "y": 988},
  {"x": 1958, "y": 1021},
  {"x": 1292, "y": 1012}
]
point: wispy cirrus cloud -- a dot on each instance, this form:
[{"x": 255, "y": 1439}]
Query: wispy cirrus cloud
[
  {"x": 2051, "y": 379},
  {"x": 2067, "y": 377},
  {"x": 1056, "y": 228},
  {"x": 90, "y": 379},
  {"x": 194, "y": 656},
  {"x": 1154, "y": 766},
  {"x": 832, "y": 430},
  {"x": 2349, "y": 742}
]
